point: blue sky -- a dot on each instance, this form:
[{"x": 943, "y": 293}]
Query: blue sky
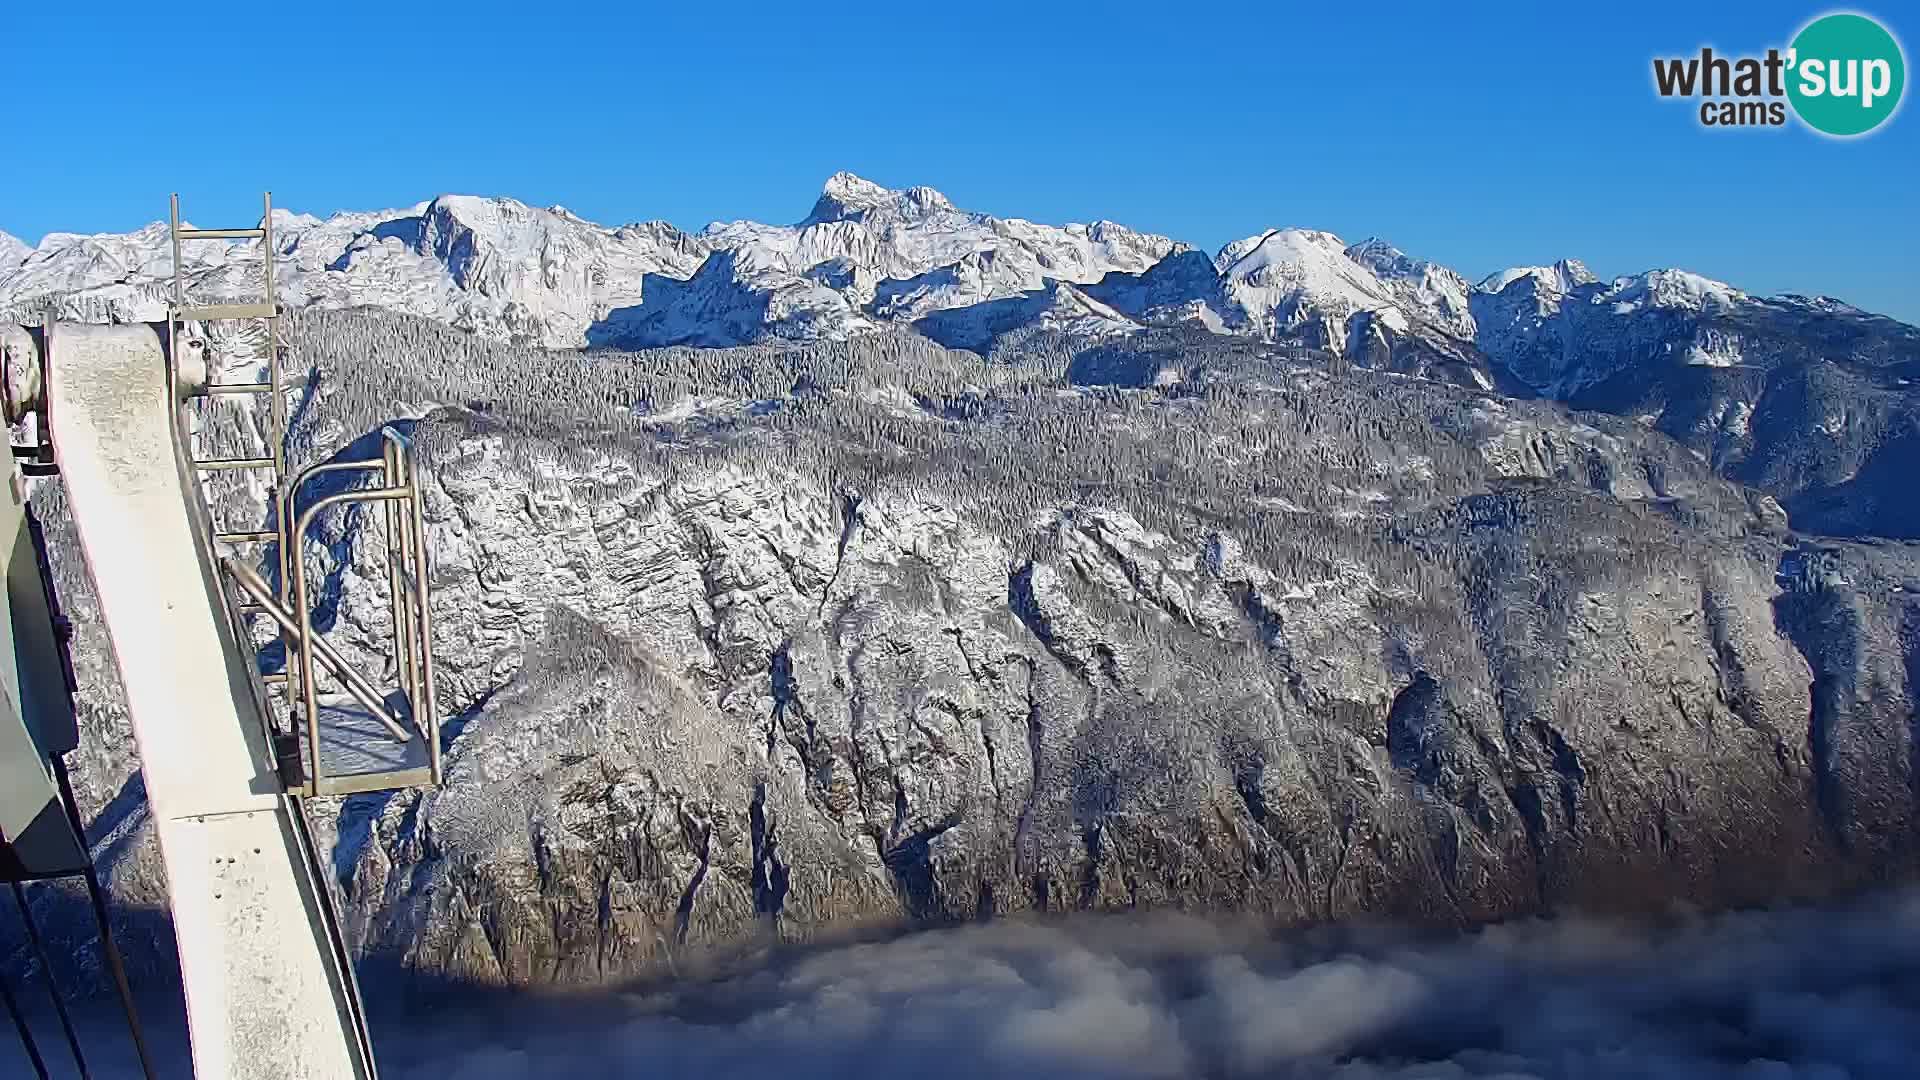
[{"x": 1479, "y": 135}]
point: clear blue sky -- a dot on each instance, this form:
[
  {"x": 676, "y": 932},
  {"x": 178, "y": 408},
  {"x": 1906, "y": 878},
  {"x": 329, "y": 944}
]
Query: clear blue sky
[{"x": 1478, "y": 135}]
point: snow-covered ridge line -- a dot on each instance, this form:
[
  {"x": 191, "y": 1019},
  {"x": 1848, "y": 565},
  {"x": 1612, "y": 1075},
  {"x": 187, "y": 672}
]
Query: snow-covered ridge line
[{"x": 864, "y": 257}]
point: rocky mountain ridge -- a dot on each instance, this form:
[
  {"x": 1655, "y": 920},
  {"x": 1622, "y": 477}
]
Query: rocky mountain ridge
[
  {"x": 834, "y": 648},
  {"x": 758, "y": 644},
  {"x": 1808, "y": 398},
  {"x": 866, "y": 257},
  {"x": 1018, "y": 568}
]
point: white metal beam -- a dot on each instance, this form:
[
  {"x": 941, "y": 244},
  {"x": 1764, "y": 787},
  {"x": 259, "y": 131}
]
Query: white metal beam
[{"x": 267, "y": 993}]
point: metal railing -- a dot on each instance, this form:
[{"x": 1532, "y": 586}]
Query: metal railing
[
  {"x": 262, "y": 595},
  {"x": 180, "y": 312},
  {"x": 403, "y": 522},
  {"x": 288, "y": 601}
]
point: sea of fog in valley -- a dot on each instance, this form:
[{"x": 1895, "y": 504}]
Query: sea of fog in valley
[{"x": 1799, "y": 993}]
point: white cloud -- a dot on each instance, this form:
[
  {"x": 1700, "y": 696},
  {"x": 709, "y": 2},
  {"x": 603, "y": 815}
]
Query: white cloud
[{"x": 1788, "y": 995}]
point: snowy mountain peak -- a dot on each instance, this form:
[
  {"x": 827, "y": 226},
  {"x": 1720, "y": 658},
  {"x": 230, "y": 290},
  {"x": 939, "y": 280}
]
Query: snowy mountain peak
[
  {"x": 487, "y": 214},
  {"x": 13, "y": 251},
  {"x": 1278, "y": 247},
  {"x": 1674, "y": 289},
  {"x": 286, "y": 222},
  {"x": 1306, "y": 258},
  {"x": 1562, "y": 277},
  {"x": 1303, "y": 282},
  {"x": 847, "y": 197},
  {"x": 850, "y": 188},
  {"x": 871, "y": 257},
  {"x": 1437, "y": 294},
  {"x": 1386, "y": 260}
]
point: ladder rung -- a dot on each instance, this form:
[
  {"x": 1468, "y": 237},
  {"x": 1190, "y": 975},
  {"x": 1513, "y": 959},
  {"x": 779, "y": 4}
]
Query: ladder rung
[
  {"x": 247, "y": 537},
  {"x": 236, "y": 463},
  {"x": 222, "y": 234},
  {"x": 274, "y": 678},
  {"x": 204, "y": 312}
]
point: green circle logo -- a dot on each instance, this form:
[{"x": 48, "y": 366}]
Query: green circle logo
[{"x": 1846, "y": 73}]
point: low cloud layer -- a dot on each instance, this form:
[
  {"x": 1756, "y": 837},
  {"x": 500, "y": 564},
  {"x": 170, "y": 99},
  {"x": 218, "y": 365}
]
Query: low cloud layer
[{"x": 1764, "y": 996}]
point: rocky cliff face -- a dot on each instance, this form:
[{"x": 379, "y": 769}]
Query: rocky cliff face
[{"x": 757, "y": 643}]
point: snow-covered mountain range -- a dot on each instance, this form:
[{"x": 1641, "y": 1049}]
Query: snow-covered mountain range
[
  {"x": 783, "y": 640},
  {"x": 866, "y": 257}
]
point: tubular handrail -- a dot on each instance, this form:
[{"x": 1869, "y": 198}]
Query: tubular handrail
[
  {"x": 286, "y": 496},
  {"x": 401, "y": 599},
  {"x": 417, "y": 552},
  {"x": 289, "y": 494},
  {"x": 355, "y": 683},
  {"x": 300, "y": 478},
  {"x": 407, "y": 585},
  {"x": 308, "y": 700}
]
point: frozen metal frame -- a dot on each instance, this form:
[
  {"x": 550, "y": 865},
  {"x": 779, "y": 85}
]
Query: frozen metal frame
[
  {"x": 287, "y": 603},
  {"x": 180, "y": 313},
  {"x": 403, "y": 520}
]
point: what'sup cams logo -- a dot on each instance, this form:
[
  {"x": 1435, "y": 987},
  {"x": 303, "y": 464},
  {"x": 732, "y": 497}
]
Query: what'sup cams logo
[{"x": 1842, "y": 76}]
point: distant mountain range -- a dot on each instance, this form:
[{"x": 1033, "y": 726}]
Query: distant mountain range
[
  {"x": 1292, "y": 581},
  {"x": 1806, "y": 397}
]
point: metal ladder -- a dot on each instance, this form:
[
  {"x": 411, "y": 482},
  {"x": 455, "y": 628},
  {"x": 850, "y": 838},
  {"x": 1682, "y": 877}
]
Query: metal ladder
[
  {"x": 180, "y": 313},
  {"x": 303, "y": 756}
]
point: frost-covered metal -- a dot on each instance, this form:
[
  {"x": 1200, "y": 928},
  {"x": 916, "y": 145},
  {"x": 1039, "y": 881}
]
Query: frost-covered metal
[{"x": 269, "y": 989}]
